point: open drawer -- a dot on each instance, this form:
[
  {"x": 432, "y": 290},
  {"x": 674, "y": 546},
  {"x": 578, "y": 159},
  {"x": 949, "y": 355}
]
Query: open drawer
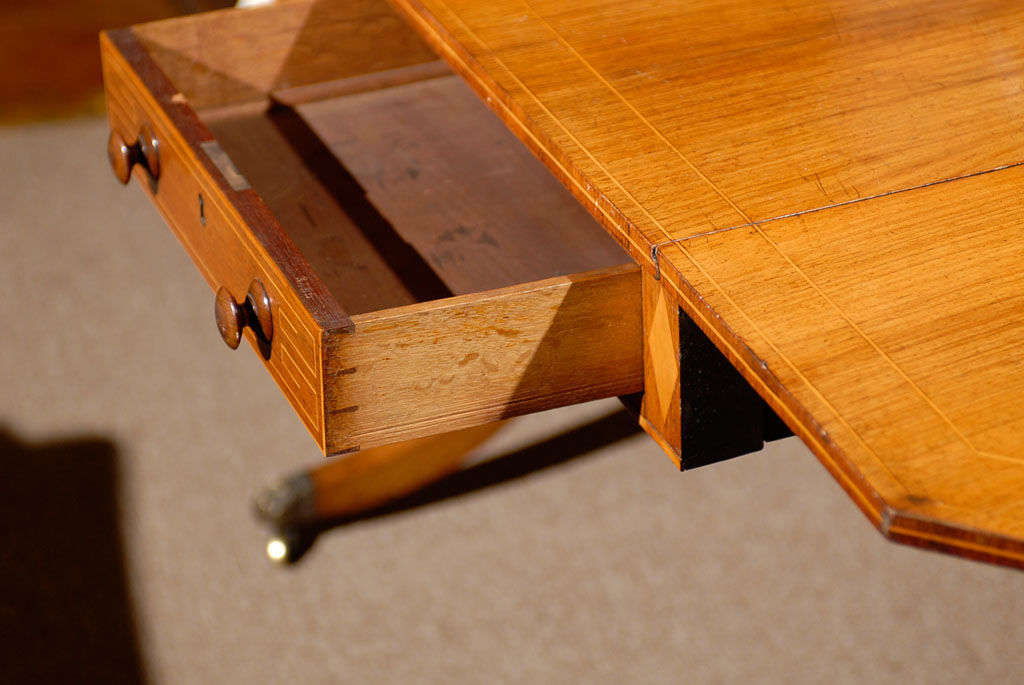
[{"x": 400, "y": 261}]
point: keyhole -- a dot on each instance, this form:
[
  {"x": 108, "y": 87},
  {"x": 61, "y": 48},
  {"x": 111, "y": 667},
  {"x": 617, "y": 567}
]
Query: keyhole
[{"x": 202, "y": 210}]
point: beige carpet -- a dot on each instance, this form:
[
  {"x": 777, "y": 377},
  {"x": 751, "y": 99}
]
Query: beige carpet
[{"x": 131, "y": 441}]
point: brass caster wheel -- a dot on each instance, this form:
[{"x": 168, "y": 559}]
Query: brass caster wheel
[{"x": 288, "y": 545}]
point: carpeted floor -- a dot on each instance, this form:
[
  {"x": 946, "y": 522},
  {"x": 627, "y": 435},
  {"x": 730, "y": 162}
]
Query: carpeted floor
[{"x": 131, "y": 441}]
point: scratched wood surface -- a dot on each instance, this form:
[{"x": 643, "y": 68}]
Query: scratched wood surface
[{"x": 829, "y": 188}]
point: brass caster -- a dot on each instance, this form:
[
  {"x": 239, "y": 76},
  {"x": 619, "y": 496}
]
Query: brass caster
[
  {"x": 290, "y": 502},
  {"x": 289, "y": 508},
  {"x": 288, "y": 545}
]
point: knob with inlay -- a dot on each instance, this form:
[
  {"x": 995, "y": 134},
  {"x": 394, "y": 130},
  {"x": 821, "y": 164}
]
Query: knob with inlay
[
  {"x": 145, "y": 151},
  {"x": 233, "y": 317}
]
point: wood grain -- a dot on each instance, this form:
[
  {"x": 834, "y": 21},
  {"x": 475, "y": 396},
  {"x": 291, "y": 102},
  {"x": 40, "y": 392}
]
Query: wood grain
[
  {"x": 236, "y": 239},
  {"x": 409, "y": 193},
  {"x": 883, "y": 321},
  {"x": 232, "y": 56},
  {"x": 268, "y": 199},
  {"x": 307, "y": 204},
  {"x": 438, "y": 366},
  {"x": 359, "y": 482},
  {"x": 459, "y": 187},
  {"x": 908, "y": 352},
  {"x": 822, "y": 101},
  {"x": 661, "y": 410},
  {"x": 705, "y": 412}
]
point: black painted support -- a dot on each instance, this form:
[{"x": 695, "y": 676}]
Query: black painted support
[{"x": 722, "y": 416}]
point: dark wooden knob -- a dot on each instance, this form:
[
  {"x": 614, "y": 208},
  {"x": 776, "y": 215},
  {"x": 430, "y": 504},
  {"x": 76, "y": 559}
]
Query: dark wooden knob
[
  {"x": 259, "y": 304},
  {"x": 254, "y": 312},
  {"x": 231, "y": 318},
  {"x": 145, "y": 150}
]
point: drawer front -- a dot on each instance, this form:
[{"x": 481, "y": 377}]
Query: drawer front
[{"x": 201, "y": 207}]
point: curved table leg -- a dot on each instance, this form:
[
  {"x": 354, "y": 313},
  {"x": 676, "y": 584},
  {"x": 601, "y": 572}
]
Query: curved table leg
[{"x": 359, "y": 482}]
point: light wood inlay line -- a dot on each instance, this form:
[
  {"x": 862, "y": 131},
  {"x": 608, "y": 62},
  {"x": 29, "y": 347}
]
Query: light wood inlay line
[
  {"x": 292, "y": 358},
  {"x": 664, "y": 139},
  {"x": 297, "y": 398},
  {"x": 1000, "y": 457},
  {"x": 795, "y": 369},
  {"x": 639, "y": 115},
  {"x": 747, "y": 220},
  {"x": 646, "y": 213},
  {"x": 200, "y": 172},
  {"x": 305, "y": 364},
  {"x": 887, "y": 334},
  {"x": 814, "y": 210},
  {"x": 878, "y": 349},
  {"x": 583, "y": 148}
]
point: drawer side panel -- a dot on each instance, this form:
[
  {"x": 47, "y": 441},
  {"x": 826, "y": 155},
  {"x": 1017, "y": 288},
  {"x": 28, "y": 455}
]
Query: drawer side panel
[{"x": 467, "y": 360}]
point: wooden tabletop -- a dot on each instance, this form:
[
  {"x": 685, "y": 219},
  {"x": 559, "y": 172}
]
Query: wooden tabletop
[{"x": 831, "y": 189}]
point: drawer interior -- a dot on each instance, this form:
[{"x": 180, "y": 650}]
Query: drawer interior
[
  {"x": 396, "y": 183},
  {"x": 427, "y": 272}
]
